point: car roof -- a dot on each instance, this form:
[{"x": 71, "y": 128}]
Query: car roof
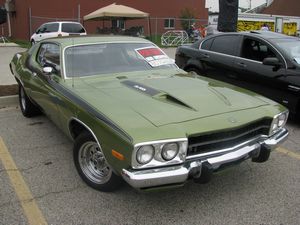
[
  {"x": 93, "y": 39},
  {"x": 268, "y": 35}
]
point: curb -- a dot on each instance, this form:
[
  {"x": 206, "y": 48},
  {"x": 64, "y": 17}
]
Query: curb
[{"x": 10, "y": 100}]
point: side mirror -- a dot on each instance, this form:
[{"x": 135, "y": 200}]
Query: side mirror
[
  {"x": 47, "y": 70},
  {"x": 272, "y": 61}
]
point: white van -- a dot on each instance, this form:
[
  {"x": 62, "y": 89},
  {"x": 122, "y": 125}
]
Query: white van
[{"x": 57, "y": 29}]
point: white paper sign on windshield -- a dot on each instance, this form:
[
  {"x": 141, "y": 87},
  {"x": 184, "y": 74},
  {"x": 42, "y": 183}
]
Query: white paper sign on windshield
[{"x": 155, "y": 57}]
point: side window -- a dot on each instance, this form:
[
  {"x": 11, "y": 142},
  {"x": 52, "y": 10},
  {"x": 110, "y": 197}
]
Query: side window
[
  {"x": 51, "y": 27},
  {"x": 72, "y": 28},
  {"x": 256, "y": 50},
  {"x": 49, "y": 55},
  {"x": 225, "y": 44},
  {"x": 41, "y": 29},
  {"x": 207, "y": 44}
]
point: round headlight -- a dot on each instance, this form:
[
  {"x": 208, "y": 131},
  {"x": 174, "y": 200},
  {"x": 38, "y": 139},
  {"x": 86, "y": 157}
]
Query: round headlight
[
  {"x": 282, "y": 119},
  {"x": 145, "y": 154},
  {"x": 169, "y": 151}
]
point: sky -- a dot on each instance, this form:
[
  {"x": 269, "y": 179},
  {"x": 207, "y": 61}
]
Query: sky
[{"x": 214, "y": 4}]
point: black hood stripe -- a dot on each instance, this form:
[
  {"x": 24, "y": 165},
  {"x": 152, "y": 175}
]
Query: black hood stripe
[{"x": 141, "y": 88}]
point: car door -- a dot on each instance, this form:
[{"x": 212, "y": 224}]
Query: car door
[
  {"x": 42, "y": 90},
  {"x": 219, "y": 55},
  {"x": 254, "y": 75},
  {"x": 47, "y": 31}
]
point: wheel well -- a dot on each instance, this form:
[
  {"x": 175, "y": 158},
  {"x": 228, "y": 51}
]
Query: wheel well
[{"x": 76, "y": 128}]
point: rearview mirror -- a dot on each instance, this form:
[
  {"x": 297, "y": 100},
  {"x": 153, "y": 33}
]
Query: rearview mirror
[{"x": 47, "y": 70}]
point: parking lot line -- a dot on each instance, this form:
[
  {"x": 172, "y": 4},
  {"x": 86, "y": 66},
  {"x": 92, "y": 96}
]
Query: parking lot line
[
  {"x": 29, "y": 205},
  {"x": 288, "y": 152}
]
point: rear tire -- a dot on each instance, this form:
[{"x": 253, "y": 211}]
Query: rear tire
[
  {"x": 92, "y": 166},
  {"x": 28, "y": 109}
]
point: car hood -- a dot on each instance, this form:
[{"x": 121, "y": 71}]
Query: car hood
[{"x": 165, "y": 99}]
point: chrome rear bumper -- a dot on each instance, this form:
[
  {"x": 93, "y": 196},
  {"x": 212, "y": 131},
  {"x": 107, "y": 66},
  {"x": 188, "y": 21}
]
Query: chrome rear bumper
[{"x": 197, "y": 166}]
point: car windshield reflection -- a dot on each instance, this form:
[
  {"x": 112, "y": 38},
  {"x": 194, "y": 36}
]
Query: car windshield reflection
[{"x": 96, "y": 59}]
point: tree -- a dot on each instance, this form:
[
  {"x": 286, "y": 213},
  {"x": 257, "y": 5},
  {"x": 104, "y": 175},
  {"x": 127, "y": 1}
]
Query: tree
[{"x": 187, "y": 17}]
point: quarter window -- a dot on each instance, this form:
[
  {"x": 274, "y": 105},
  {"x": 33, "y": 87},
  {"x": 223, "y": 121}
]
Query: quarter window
[
  {"x": 206, "y": 44},
  {"x": 225, "y": 44},
  {"x": 169, "y": 23}
]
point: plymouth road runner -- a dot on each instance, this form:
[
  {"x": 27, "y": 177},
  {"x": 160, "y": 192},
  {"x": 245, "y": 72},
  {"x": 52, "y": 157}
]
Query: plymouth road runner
[{"x": 135, "y": 116}]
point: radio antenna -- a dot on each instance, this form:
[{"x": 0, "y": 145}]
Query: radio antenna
[{"x": 72, "y": 59}]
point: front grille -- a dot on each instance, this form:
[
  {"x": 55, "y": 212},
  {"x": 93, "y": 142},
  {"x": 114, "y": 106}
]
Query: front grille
[{"x": 227, "y": 138}]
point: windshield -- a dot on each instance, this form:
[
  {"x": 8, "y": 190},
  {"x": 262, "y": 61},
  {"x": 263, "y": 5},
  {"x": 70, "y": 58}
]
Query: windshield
[
  {"x": 291, "y": 48},
  {"x": 96, "y": 59}
]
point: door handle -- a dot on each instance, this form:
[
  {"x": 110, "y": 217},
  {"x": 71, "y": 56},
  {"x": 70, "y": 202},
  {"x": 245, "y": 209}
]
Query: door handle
[
  {"x": 206, "y": 56},
  {"x": 241, "y": 64}
]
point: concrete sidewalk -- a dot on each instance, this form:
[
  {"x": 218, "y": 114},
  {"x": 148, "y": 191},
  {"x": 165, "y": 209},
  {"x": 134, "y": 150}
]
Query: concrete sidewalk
[{"x": 7, "y": 51}]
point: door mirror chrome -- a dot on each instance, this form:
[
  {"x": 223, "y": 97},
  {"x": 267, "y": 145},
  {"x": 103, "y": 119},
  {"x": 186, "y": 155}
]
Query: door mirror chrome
[{"x": 47, "y": 70}]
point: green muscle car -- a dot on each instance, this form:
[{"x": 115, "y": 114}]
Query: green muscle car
[{"x": 135, "y": 116}]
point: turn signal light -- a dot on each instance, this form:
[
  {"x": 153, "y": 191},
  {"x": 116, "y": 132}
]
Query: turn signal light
[{"x": 117, "y": 155}]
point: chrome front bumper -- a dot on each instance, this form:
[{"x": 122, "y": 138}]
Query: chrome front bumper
[{"x": 195, "y": 166}]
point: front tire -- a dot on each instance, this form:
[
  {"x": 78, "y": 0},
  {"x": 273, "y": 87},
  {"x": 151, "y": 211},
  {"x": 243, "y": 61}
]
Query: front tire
[
  {"x": 92, "y": 165},
  {"x": 193, "y": 71},
  {"x": 28, "y": 109}
]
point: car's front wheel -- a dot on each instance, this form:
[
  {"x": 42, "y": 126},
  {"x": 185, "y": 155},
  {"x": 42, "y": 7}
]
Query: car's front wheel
[
  {"x": 193, "y": 71},
  {"x": 32, "y": 42},
  {"x": 28, "y": 109},
  {"x": 92, "y": 166}
]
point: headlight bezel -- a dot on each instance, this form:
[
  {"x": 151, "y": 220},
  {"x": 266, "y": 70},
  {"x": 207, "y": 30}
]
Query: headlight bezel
[
  {"x": 278, "y": 122},
  {"x": 158, "y": 160}
]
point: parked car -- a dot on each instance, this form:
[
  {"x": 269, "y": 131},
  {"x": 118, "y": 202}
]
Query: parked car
[
  {"x": 134, "y": 115},
  {"x": 57, "y": 29},
  {"x": 262, "y": 61}
]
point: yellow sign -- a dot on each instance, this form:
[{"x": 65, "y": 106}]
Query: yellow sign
[
  {"x": 244, "y": 25},
  {"x": 290, "y": 29}
]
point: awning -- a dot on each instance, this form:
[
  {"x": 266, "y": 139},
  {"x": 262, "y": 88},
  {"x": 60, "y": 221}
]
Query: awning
[{"x": 115, "y": 11}]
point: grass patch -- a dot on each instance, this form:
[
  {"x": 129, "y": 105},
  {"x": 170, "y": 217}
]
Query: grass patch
[{"x": 22, "y": 43}]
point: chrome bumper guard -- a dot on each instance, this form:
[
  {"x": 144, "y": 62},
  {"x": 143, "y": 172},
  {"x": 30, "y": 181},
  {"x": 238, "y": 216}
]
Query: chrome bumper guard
[{"x": 174, "y": 175}]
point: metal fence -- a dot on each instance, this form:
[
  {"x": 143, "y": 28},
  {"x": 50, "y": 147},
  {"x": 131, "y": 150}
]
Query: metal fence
[{"x": 156, "y": 26}]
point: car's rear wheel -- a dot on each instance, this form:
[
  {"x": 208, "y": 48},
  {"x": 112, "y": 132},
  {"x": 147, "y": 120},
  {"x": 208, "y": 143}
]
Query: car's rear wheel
[
  {"x": 28, "y": 109},
  {"x": 92, "y": 166}
]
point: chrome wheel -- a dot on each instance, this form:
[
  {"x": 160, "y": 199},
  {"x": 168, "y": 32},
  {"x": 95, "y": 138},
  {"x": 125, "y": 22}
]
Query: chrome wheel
[
  {"x": 193, "y": 72},
  {"x": 93, "y": 163},
  {"x": 23, "y": 99}
]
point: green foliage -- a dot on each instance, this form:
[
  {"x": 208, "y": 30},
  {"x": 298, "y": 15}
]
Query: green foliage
[
  {"x": 22, "y": 43},
  {"x": 187, "y": 16}
]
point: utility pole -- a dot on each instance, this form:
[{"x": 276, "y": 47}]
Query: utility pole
[{"x": 228, "y": 15}]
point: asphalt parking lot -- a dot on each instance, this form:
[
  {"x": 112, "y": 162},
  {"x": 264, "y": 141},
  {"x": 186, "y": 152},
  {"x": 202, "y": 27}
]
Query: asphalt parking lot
[{"x": 52, "y": 192}]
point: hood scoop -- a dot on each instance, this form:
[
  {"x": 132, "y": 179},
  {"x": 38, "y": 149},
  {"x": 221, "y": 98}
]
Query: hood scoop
[{"x": 156, "y": 94}]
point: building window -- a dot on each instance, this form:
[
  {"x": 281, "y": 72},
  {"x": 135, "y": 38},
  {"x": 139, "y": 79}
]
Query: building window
[
  {"x": 118, "y": 24},
  {"x": 169, "y": 23}
]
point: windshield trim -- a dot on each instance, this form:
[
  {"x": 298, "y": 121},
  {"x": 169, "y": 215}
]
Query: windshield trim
[{"x": 93, "y": 43}]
